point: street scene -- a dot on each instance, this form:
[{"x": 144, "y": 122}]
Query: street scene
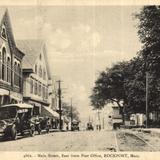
[{"x": 80, "y": 78}]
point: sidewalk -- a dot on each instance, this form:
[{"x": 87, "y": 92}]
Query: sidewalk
[{"x": 152, "y": 131}]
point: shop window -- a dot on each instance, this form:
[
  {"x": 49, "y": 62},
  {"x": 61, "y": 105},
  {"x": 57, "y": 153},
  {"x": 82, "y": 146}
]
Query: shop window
[{"x": 36, "y": 110}]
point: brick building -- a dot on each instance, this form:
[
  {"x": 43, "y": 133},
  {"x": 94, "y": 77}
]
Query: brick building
[{"x": 10, "y": 64}]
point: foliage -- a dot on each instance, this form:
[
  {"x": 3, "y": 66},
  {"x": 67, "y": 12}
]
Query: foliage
[
  {"x": 149, "y": 34},
  {"x": 109, "y": 87},
  {"x": 67, "y": 112},
  {"x": 126, "y": 81}
]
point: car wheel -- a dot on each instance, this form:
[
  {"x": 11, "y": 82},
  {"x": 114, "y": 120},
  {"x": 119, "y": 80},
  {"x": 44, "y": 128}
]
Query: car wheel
[{"x": 13, "y": 133}]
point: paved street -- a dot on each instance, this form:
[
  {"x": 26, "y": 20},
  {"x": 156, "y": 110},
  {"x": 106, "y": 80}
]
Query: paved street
[
  {"x": 64, "y": 141},
  {"x": 121, "y": 140}
]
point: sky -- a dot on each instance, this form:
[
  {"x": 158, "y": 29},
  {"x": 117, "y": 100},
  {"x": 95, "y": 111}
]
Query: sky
[{"x": 81, "y": 42}]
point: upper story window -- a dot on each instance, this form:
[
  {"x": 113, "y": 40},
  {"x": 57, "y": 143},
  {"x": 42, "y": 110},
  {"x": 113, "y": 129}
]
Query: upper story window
[
  {"x": 3, "y": 32},
  {"x": 17, "y": 73},
  {"x": 40, "y": 71},
  {"x": 35, "y": 68},
  {"x": 9, "y": 70},
  {"x": 44, "y": 74},
  {"x": 3, "y": 64},
  {"x": 35, "y": 88},
  {"x": 0, "y": 65},
  {"x": 39, "y": 89},
  {"x": 31, "y": 86},
  {"x": 40, "y": 57}
]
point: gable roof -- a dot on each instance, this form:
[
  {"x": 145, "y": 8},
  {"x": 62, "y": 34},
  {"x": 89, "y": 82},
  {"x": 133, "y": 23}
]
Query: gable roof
[
  {"x": 32, "y": 49},
  {"x": 5, "y": 19},
  {"x": 2, "y": 12}
]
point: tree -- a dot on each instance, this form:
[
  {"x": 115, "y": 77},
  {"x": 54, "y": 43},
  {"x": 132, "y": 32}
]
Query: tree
[
  {"x": 149, "y": 34},
  {"x": 126, "y": 81},
  {"x": 109, "y": 87},
  {"x": 135, "y": 88},
  {"x": 67, "y": 112},
  {"x": 123, "y": 82}
]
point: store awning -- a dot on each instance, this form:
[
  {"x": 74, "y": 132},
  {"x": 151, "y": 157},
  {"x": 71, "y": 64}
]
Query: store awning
[
  {"x": 46, "y": 111},
  {"x": 4, "y": 92}
]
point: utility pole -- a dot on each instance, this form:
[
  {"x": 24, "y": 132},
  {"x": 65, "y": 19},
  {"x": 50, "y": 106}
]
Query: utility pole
[
  {"x": 146, "y": 99},
  {"x": 103, "y": 122},
  {"x": 60, "y": 104},
  {"x": 99, "y": 120},
  {"x": 71, "y": 114}
]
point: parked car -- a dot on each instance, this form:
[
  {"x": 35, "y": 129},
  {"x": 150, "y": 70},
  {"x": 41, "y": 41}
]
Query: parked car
[{"x": 16, "y": 119}]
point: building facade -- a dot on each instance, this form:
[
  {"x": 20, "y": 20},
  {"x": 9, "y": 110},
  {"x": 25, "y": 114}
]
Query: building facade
[
  {"x": 36, "y": 74},
  {"x": 10, "y": 64}
]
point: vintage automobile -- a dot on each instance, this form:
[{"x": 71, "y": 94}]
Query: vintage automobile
[
  {"x": 16, "y": 119},
  {"x": 89, "y": 126},
  {"x": 75, "y": 126}
]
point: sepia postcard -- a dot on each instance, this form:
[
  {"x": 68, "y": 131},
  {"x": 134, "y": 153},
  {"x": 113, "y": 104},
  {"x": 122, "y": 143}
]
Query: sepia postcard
[{"x": 79, "y": 80}]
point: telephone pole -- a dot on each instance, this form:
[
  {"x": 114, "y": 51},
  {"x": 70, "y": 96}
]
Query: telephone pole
[
  {"x": 71, "y": 114},
  {"x": 60, "y": 104},
  {"x": 146, "y": 99}
]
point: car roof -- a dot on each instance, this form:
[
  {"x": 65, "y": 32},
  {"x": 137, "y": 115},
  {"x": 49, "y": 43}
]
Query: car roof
[{"x": 18, "y": 105}]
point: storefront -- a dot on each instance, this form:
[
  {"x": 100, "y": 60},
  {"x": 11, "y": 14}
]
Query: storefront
[{"x": 54, "y": 116}]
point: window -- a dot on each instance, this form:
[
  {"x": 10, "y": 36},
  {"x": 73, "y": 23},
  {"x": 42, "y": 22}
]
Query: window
[
  {"x": 46, "y": 93},
  {"x": 35, "y": 68},
  {"x": 43, "y": 92},
  {"x": 18, "y": 75},
  {"x": 3, "y": 33},
  {"x": 31, "y": 86},
  {"x": 40, "y": 57},
  {"x": 0, "y": 65},
  {"x": 40, "y": 71},
  {"x": 15, "y": 73},
  {"x": 44, "y": 74},
  {"x": 40, "y": 88},
  {"x": 8, "y": 70},
  {"x": 3, "y": 64},
  {"x": 35, "y": 90}
]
